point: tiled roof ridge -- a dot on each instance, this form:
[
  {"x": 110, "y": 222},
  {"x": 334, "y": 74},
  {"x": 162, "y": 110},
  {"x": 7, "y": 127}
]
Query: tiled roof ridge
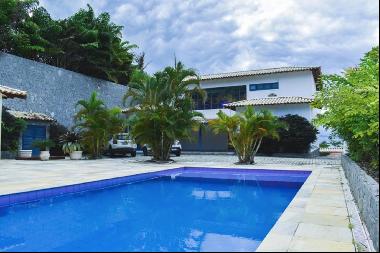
[
  {"x": 257, "y": 72},
  {"x": 12, "y": 92},
  {"x": 31, "y": 115},
  {"x": 270, "y": 101}
]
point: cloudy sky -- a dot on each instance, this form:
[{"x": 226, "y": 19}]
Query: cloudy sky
[{"x": 230, "y": 35}]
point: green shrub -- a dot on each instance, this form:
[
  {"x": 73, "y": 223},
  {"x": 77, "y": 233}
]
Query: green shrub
[
  {"x": 43, "y": 145},
  {"x": 96, "y": 123},
  {"x": 70, "y": 142},
  {"x": 247, "y": 130},
  {"x": 11, "y": 128},
  {"x": 297, "y": 138},
  {"x": 351, "y": 101},
  {"x": 324, "y": 144},
  {"x": 56, "y": 130}
]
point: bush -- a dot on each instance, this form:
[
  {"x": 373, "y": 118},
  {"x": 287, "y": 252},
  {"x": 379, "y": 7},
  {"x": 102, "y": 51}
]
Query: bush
[
  {"x": 296, "y": 139},
  {"x": 96, "y": 123},
  {"x": 324, "y": 144},
  {"x": 11, "y": 129},
  {"x": 56, "y": 131},
  {"x": 70, "y": 142},
  {"x": 351, "y": 101},
  {"x": 247, "y": 130},
  {"x": 43, "y": 145}
]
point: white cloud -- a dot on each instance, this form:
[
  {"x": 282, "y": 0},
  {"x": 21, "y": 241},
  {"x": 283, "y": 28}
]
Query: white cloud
[{"x": 224, "y": 35}]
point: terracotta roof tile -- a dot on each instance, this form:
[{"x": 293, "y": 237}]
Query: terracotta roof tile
[
  {"x": 270, "y": 101},
  {"x": 8, "y": 92},
  {"x": 257, "y": 72},
  {"x": 31, "y": 116}
]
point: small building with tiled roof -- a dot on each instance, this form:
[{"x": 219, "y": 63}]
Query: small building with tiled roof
[
  {"x": 7, "y": 93},
  {"x": 31, "y": 116},
  {"x": 37, "y": 128}
]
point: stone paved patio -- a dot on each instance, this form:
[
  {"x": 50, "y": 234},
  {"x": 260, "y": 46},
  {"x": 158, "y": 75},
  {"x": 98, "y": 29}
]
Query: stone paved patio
[{"x": 316, "y": 220}]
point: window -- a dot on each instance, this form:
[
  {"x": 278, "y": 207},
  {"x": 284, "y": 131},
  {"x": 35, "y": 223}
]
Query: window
[
  {"x": 263, "y": 86},
  {"x": 217, "y": 97}
]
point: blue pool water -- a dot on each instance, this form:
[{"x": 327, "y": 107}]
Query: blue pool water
[{"x": 161, "y": 214}]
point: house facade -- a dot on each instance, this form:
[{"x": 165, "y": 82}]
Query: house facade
[
  {"x": 37, "y": 128},
  {"x": 287, "y": 90}
]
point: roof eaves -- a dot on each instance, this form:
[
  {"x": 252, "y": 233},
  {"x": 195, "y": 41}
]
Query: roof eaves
[
  {"x": 316, "y": 72},
  {"x": 7, "y": 92}
]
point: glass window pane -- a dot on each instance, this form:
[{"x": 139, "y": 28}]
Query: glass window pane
[{"x": 263, "y": 86}]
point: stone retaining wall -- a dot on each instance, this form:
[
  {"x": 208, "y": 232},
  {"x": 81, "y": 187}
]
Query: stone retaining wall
[
  {"x": 51, "y": 90},
  {"x": 366, "y": 193}
]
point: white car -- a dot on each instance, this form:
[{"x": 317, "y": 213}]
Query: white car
[
  {"x": 176, "y": 149},
  {"x": 122, "y": 144}
]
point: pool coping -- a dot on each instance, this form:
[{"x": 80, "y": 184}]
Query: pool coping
[
  {"x": 262, "y": 175},
  {"x": 302, "y": 229},
  {"x": 285, "y": 234}
]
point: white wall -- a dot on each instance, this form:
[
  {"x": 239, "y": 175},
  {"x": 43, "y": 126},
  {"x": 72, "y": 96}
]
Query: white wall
[
  {"x": 299, "y": 84},
  {"x": 303, "y": 110},
  {"x": 212, "y": 113}
]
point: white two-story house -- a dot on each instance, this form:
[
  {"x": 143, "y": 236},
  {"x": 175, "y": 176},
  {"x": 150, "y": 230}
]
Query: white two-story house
[{"x": 286, "y": 90}]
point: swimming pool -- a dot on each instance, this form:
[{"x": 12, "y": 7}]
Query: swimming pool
[{"x": 184, "y": 209}]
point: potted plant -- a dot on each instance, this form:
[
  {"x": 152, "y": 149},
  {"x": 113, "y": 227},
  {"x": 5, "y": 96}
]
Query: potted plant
[
  {"x": 44, "y": 146},
  {"x": 71, "y": 146}
]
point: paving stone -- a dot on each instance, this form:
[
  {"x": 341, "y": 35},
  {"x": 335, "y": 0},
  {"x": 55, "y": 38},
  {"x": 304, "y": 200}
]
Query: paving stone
[
  {"x": 311, "y": 245},
  {"x": 317, "y": 217},
  {"x": 330, "y": 233},
  {"x": 275, "y": 243}
]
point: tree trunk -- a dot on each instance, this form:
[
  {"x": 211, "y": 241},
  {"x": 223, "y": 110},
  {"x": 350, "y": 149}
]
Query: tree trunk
[{"x": 255, "y": 149}]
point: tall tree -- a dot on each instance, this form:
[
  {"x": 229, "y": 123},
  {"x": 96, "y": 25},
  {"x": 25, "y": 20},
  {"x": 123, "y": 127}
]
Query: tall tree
[
  {"x": 83, "y": 42},
  {"x": 164, "y": 112},
  {"x": 93, "y": 45},
  {"x": 97, "y": 124},
  {"x": 351, "y": 103},
  {"x": 247, "y": 130},
  {"x": 19, "y": 33}
]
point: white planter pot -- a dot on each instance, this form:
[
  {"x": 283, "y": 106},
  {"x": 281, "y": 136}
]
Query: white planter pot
[
  {"x": 25, "y": 153},
  {"x": 44, "y": 155},
  {"x": 76, "y": 155}
]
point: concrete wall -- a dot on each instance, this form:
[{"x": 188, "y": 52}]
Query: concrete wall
[
  {"x": 51, "y": 90},
  {"x": 366, "y": 193}
]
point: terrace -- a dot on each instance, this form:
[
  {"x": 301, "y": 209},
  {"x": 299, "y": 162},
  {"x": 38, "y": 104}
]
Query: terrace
[{"x": 319, "y": 218}]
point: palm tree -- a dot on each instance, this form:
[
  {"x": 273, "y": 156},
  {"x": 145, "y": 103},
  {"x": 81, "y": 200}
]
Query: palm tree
[
  {"x": 96, "y": 124},
  {"x": 164, "y": 111},
  {"x": 247, "y": 130}
]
